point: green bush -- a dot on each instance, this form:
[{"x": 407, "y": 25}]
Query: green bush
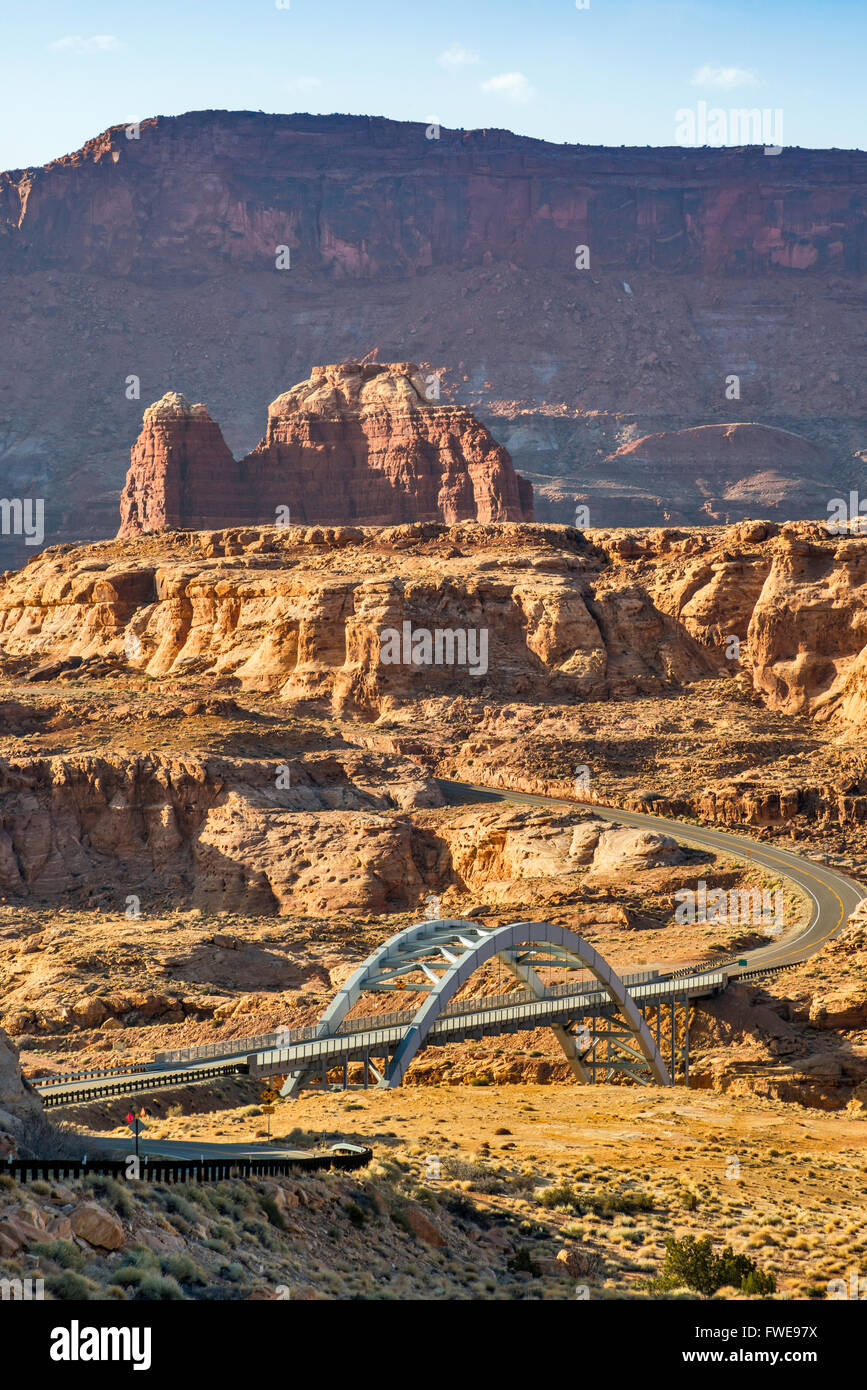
[
  {"x": 70, "y": 1287},
  {"x": 523, "y": 1262},
  {"x": 113, "y": 1193},
  {"x": 355, "y": 1214},
  {"x": 178, "y": 1205},
  {"x": 63, "y": 1252},
  {"x": 159, "y": 1288},
  {"x": 183, "y": 1268},
  {"x": 604, "y": 1204},
  {"x": 692, "y": 1264},
  {"x": 272, "y": 1211}
]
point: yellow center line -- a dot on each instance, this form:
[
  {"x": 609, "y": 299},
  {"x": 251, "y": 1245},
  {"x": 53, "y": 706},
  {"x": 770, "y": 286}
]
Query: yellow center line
[{"x": 707, "y": 842}]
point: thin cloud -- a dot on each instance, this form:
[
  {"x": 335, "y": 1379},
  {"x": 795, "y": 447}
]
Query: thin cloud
[
  {"x": 724, "y": 78},
  {"x": 303, "y": 84},
  {"x": 456, "y": 57},
  {"x": 512, "y": 85},
  {"x": 75, "y": 43}
]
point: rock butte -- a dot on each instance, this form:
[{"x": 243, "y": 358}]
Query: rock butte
[{"x": 352, "y": 444}]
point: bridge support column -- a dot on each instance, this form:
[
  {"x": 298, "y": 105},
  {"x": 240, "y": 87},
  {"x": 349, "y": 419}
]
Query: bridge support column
[{"x": 686, "y": 1041}]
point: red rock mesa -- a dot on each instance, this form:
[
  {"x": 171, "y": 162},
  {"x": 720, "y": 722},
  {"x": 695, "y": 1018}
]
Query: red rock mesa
[{"x": 351, "y": 444}]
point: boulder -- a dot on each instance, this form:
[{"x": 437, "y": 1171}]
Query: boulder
[
  {"x": 97, "y": 1226},
  {"x": 843, "y": 1008}
]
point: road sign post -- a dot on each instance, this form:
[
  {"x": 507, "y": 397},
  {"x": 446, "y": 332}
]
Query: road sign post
[
  {"x": 268, "y": 1095},
  {"x": 136, "y": 1124}
]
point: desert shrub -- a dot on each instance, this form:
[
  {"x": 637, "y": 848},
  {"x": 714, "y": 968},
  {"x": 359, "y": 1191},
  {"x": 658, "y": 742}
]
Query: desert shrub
[
  {"x": 140, "y": 1257},
  {"x": 272, "y": 1211},
  {"x": 603, "y": 1204},
  {"x": 522, "y": 1262},
  {"x": 183, "y": 1268},
  {"x": 38, "y": 1137},
  {"x": 158, "y": 1288},
  {"x": 465, "y": 1170},
  {"x": 355, "y": 1214},
  {"x": 130, "y": 1276},
  {"x": 692, "y": 1264},
  {"x": 400, "y": 1218},
  {"x": 177, "y": 1204},
  {"x": 113, "y": 1193},
  {"x": 63, "y": 1252},
  {"x": 522, "y": 1182},
  {"x": 227, "y": 1205},
  {"x": 253, "y": 1227},
  {"x": 490, "y": 1186},
  {"x": 70, "y": 1287}
]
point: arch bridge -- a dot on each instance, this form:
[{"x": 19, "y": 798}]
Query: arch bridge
[{"x": 599, "y": 1019}]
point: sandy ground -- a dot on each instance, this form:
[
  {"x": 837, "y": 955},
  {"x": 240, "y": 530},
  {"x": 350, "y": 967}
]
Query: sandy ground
[{"x": 785, "y": 1188}]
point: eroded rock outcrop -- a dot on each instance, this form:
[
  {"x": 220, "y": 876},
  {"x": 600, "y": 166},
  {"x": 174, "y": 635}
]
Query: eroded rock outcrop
[
  {"x": 460, "y": 247},
  {"x": 180, "y": 467},
  {"x": 19, "y": 1105},
  {"x": 352, "y": 444},
  {"x": 737, "y": 468},
  {"x": 533, "y": 612}
]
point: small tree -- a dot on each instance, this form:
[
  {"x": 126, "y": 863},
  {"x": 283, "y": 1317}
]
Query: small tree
[{"x": 692, "y": 1264}]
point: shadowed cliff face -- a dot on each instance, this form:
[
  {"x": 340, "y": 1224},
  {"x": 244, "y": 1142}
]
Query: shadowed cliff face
[
  {"x": 352, "y": 444},
  {"x": 146, "y": 265}
]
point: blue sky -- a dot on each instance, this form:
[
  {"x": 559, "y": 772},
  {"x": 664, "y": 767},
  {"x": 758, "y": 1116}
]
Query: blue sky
[{"x": 614, "y": 73}]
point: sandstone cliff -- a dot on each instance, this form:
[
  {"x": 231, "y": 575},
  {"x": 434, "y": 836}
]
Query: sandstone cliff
[
  {"x": 155, "y": 257},
  {"x": 351, "y": 444},
  {"x": 302, "y": 612},
  {"x": 20, "y": 1107}
]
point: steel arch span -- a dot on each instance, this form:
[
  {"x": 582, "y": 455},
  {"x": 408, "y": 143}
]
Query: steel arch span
[{"x": 437, "y": 957}]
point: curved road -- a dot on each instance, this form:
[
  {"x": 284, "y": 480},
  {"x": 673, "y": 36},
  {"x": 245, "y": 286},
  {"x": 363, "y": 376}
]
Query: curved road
[{"x": 833, "y": 895}]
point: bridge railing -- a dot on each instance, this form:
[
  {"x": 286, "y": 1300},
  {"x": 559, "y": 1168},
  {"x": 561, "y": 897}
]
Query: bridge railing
[
  {"x": 326, "y": 1050},
  {"x": 288, "y": 1037}
]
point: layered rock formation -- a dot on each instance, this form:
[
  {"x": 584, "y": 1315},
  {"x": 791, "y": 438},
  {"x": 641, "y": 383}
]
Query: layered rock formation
[
  {"x": 306, "y": 613},
  {"x": 685, "y": 209},
  {"x": 180, "y": 467},
  {"x": 550, "y": 613},
  {"x": 20, "y": 1107},
  {"x": 155, "y": 255},
  {"x": 351, "y": 444},
  {"x": 726, "y": 472}
]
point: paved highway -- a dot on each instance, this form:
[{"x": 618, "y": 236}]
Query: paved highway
[
  {"x": 192, "y": 1149},
  {"x": 833, "y": 895}
]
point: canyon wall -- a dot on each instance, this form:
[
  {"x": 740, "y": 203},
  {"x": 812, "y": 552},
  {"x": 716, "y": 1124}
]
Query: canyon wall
[{"x": 148, "y": 264}]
